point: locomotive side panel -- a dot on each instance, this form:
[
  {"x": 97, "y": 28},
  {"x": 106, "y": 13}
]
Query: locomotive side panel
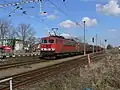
[
  {"x": 69, "y": 46},
  {"x": 59, "y": 45}
]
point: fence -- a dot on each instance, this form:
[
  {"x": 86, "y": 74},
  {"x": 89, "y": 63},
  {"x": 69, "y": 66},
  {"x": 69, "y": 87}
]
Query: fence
[{"x": 8, "y": 79}]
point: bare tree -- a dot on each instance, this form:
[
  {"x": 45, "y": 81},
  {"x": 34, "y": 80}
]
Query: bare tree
[
  {"x": 37, "y": 40},
  {"x": 7, "y": 31},
  {"x": 31, "y": 41},
  {"x": 25, "y": 32},
  {"x": 12, "y": 33},
  {"x": 4, "y": 29}
]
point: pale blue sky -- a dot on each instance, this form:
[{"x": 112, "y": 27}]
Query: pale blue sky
[{"x": 103, "y": 17}]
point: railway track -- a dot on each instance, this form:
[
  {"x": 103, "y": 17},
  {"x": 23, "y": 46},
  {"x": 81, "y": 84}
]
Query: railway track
[
  {"x": 20, "y": 61},
  {"x": 39, "y": 74},
  {"x": 16, "y": 64},
  {"x": 17, "y": 59}
]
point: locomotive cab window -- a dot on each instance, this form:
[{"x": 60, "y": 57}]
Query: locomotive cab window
[
  {"x": 44, "y": 41},
  {"x": 51, "y": 41}
]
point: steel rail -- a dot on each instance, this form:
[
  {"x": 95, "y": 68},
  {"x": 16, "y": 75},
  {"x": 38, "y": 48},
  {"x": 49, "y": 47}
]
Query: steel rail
[
  {"x": 21, "y": 63},
  {"x": 15, "y": 64},
  {"x": 41, "y": 73}
]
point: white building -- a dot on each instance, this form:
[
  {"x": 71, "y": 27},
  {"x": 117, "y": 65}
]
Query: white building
[
  {"x": 18, "y": 45},
  {"x": 9, "y": 42}
]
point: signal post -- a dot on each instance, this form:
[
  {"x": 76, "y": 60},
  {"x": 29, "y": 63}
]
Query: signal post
[{"x": 93, "y": 43}]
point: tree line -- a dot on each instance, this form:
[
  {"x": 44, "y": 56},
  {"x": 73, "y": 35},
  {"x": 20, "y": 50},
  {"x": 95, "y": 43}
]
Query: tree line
[{"x": 24, "y": 32}]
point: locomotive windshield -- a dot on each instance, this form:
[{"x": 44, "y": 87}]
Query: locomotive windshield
[
  {"x": 51, "y": 41},
  {"x": 44, "y": 41},
  {"x": 47, "y": 41}
]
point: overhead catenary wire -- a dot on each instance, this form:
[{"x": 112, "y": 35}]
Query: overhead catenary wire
[
  {"x": 36, "y": 18},
  {"x": 40, "y": 6},
  {"x": 23, "y": 2},
  {"x": 26, "y": 14},
  {"x": 79, "y": 24},
  {"x": 13, "y": 11},
  {"x": 17, "y": 3},
  {"x": 20, "y": 2},
  {"x": 18, "y": 7},
  {"x": 64, "y": 4},
  {"x": 58, "y": 8},
  {"x": 31, "y": 1}
]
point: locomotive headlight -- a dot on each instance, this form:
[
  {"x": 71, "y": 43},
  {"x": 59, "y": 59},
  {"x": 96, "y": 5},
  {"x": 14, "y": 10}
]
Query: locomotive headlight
[
  {"x": 42, "y": 49},
  {"x": 53, "y": 49}
]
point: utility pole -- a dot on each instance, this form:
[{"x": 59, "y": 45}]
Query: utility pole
[
  {"x": 42, "y": 12},
  {"x": 84, "y": 40},
  {"x": 2, "y": 35},
  {"x": 96, "y": 42},
  {"x": 105, "y": 44},
  {"x": 40, "y": 6},
  {"x": 84, "y": 36},
  {"x": 100, "y": 44},
  {"x": 93, "y": 43}
]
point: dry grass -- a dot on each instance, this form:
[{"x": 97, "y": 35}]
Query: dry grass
[{"x": 102, "y": 75}]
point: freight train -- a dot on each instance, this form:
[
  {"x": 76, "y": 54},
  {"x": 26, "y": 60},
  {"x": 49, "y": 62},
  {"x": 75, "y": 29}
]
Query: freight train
[{"x": 53, "y": 46}]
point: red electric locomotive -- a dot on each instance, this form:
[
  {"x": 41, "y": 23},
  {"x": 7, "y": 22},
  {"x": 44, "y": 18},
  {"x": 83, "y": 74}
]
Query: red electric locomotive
[
  {"x": 53, "y": 46},
  {"x": 58, "y": 45}
]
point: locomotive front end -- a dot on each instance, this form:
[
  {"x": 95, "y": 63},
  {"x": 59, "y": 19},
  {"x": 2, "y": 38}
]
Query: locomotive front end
[{"x": 47, "y": 47}]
